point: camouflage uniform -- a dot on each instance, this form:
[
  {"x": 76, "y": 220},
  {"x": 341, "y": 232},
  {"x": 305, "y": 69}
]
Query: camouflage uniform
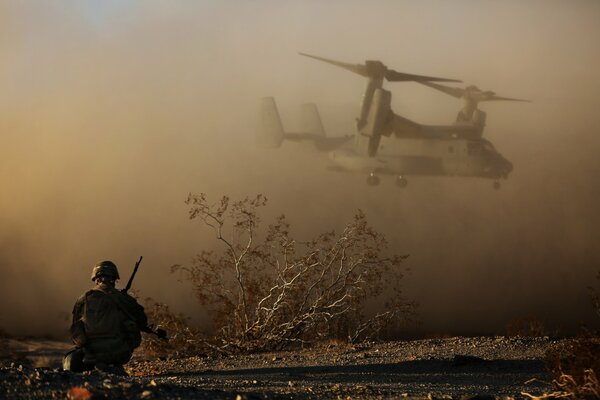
[{"x": 106, "y": 327}]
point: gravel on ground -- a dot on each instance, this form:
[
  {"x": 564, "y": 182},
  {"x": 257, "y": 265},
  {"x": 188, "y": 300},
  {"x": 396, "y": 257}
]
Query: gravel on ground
[{"x": 459, "y": 367}]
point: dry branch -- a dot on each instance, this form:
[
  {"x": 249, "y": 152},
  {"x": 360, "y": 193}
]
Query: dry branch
[{"x": 269, "y": 293}]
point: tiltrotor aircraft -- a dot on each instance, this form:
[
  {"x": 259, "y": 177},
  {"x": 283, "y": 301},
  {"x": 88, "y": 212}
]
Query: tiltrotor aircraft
[{"x": 388, "y": 144}]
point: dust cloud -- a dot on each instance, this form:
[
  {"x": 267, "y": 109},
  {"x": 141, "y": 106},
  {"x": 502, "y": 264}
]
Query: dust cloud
[{"x": 112, "y": 111}]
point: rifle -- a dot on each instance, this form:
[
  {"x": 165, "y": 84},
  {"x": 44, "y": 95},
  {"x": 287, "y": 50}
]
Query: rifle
[
  {"x": 160, "y": 333},
  {"x": 130, "y": 281}
]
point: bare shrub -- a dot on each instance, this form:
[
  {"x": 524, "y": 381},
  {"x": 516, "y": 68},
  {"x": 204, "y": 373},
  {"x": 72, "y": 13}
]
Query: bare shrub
[
  {"x": 574, "y": 357},
  {"x": 595, "y": 296},
  {"x": 527, "y": 326},
  {"x": 183, "y": 339},
  {"x": 3, "y": 345},
  {"x": 575, "y": 363},
  {"x": 567, "y": 387},
  {"x": 278, "y": 291}
]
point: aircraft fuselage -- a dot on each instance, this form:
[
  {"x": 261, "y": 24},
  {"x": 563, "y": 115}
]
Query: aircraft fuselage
[{"x": 426, "y": 157}]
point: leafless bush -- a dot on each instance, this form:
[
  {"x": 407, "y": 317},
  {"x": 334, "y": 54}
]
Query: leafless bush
[
  {"x": 575, "y": 363},
  {"x": 3, "y": 346},
  {"x": 278, "y": 291},
  {"x": 528, "y": 326},
  {"x": 595, "y": 296},
  {"x": 575, "y": 356},
  {"x": 568, "y": 388},
  {"x": 183, "y": 339}
]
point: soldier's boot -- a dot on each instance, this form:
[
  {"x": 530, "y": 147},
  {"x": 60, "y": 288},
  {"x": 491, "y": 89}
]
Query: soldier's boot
[
  {"x": 88, "y": 357},
  {"x": 111, "y": 369},
  {"x": 74, "y": 361}
]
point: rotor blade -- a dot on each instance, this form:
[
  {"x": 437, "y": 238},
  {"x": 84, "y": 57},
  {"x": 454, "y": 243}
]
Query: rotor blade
[
  {"x": 476, "y": 95},
  {"x": 356, "y": 68},
  {"x": 492, "y": 98},
  {"x": 455, "y": 92},
  {"x": 395, "y": 76}
]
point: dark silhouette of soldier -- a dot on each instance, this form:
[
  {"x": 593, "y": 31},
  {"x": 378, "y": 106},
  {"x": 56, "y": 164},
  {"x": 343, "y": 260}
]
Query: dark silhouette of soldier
[{"x": 107, "y": 325}]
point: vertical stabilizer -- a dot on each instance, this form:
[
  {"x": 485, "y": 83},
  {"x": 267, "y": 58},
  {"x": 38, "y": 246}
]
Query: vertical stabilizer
[
  {"x": 311, "y": 120},
  {"x": 269, "y": 132}
]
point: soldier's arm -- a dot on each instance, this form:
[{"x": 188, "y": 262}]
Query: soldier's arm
[
  {"x": 142, "y": 319},
  {"x": 77, "y": 328},
  {"x": 78, "y": 310},
  {"x": 137, "y": 311}
]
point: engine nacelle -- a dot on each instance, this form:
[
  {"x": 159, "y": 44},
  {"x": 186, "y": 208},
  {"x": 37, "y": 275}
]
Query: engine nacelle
[
  {"x": 479, "y": 118},
  {"x": 369, "y": 135}
]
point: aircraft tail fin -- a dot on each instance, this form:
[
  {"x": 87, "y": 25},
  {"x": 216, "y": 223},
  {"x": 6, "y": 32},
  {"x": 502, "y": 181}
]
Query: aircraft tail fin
[
  {"x": 311, "y": 120},
  {"x": 269, "y": 132}
]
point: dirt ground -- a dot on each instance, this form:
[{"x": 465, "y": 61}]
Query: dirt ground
[{"x": 493, "y": 367}]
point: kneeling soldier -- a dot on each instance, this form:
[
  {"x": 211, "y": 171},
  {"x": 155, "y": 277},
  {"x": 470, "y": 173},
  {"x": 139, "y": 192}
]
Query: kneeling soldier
[{"x": 106, "y": 325}]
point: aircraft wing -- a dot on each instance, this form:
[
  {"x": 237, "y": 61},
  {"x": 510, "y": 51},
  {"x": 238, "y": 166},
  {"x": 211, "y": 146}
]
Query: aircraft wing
[{"x": 404, "y": 127}]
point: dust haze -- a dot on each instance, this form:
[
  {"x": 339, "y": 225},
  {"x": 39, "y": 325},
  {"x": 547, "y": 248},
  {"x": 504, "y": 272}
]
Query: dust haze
[{"x": 112, "y": 111}]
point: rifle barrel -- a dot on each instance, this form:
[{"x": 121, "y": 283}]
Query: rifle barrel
[{"x": 135, "y": 269}]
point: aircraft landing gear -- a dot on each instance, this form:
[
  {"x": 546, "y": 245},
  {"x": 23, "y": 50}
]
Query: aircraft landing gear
[
  {"x": 372, "y": 179},
  {"x": 401, "y": 182},
  {"x": 496, "y": 184}
]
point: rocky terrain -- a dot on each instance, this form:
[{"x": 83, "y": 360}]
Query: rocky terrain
[{"x": 440, "y": 368}]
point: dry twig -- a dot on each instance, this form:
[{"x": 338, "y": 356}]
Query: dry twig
[{"x": 279, "y": 291}]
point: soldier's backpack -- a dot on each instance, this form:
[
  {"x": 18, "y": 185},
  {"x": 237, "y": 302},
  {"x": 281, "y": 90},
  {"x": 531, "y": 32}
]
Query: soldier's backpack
[{"x": 111, "y": 331}]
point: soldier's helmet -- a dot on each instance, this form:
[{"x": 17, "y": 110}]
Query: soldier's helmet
[{"x": 105, "y": 268}]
